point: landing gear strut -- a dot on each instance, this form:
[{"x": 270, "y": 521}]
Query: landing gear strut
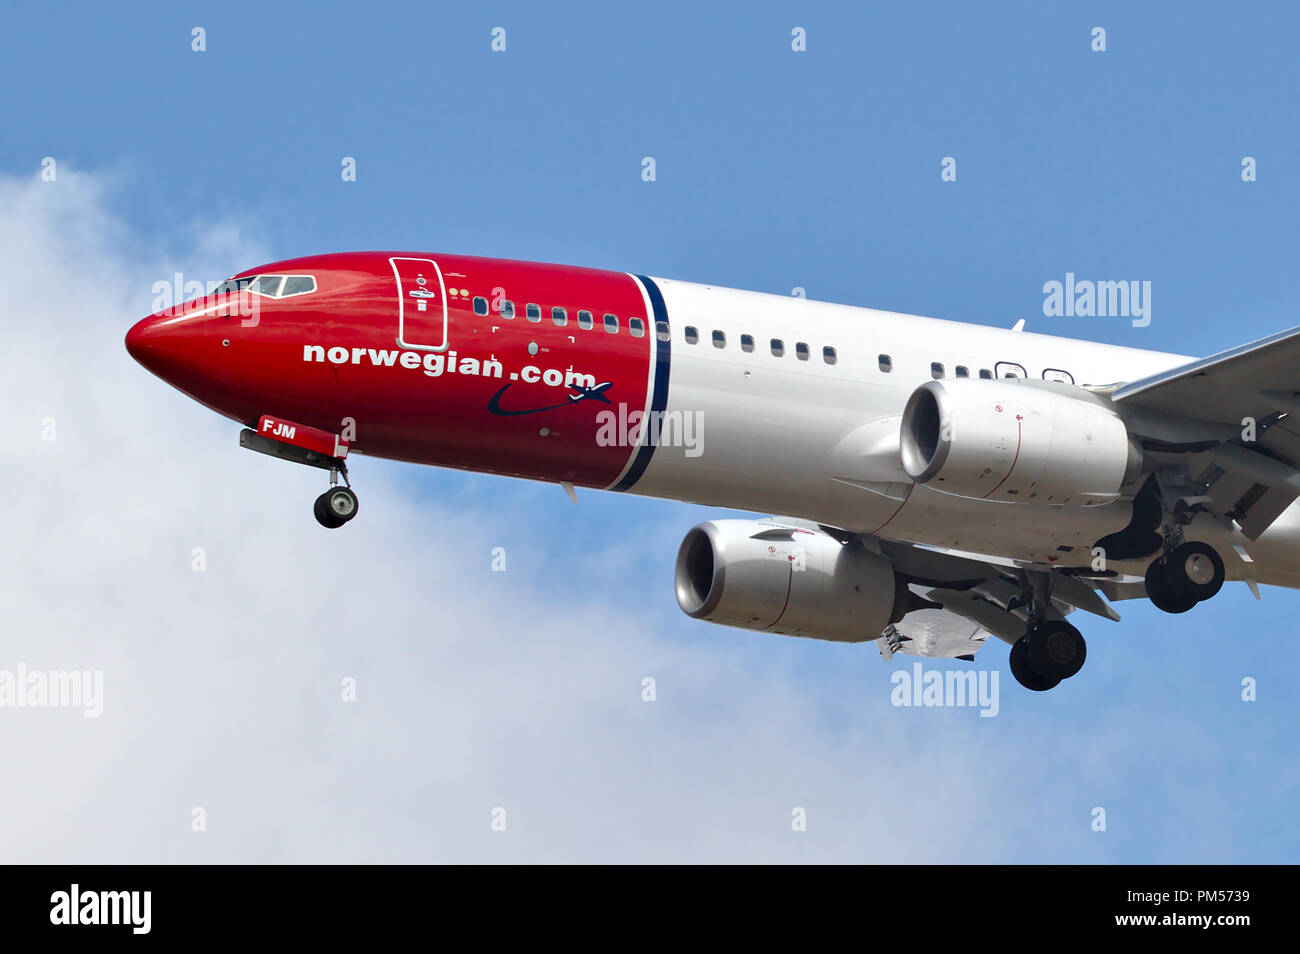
[{"x": 1051, "y": 649}]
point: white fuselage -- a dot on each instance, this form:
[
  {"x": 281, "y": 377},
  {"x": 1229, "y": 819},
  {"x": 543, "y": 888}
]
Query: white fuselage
[{"x": 802, "y": 437}]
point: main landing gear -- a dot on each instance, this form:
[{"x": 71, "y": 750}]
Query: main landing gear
[
  {"x": 1051, "y": 649},
  {"x": 1048, "y": 652},
  {"x": 1188, "y": 574},
  {"x": 1185, "y": 573}
]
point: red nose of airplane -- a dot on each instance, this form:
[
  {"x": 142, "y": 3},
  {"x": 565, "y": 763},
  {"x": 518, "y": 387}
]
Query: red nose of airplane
[
  {"x": 171, "y": 345},
  {"x": 135, "y": 340}
]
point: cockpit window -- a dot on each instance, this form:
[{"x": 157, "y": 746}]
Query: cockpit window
[
  {"x": 268, "y": 285},
  {"x": 232, "y": 285},
  {"x": 298, "y": 285}
]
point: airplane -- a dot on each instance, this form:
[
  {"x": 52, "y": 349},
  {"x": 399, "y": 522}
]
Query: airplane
[{"x": 940, "y": 482}]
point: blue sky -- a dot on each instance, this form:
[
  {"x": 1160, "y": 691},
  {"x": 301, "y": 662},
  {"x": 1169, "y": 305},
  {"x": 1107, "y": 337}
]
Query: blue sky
[{"x": 775, "y": 169}]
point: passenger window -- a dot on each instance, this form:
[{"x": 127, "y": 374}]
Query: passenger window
[
  {"x": 801, "y": 350},
  {"x": 585, "y": 319},
  {"x": 829, "y": 356},
  {"x": 533, "y": 312},
  {"x": 885, "y": 363},
  {"x": 719, "y": 339},
  {"x": 662, "y": 332},
  {"x": 986, "y": 374},
  {"x": 747, "y": 343},
  {"x": 963, "y": 371},
  {"x": 268, "y": 285},
  {"x": 778, "y": 347},
  {"x": 637, "y": 327},
  {"x": 560, "y": 317},
  {"x": 480, "y": 305},
  {"x": 507, "y": 309},
  {"x": 692, "y": 336},
  {"x": 298, "y": 285},
  {"x": 936, "y": 370},
  {"x": 611, "y": 324}
]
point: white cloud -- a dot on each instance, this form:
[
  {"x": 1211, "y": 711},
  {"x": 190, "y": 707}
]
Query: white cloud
[{"x": 476, "y": 690}]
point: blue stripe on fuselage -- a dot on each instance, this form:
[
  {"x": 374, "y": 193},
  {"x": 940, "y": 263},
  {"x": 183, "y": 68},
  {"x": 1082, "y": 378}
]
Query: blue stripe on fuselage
[{"x": 659, "y": 398}]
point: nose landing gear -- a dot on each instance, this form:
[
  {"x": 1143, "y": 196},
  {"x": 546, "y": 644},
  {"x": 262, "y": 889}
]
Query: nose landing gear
[
  {"x": 335, "y": 507},
  {"x": 315, "y": 448}
]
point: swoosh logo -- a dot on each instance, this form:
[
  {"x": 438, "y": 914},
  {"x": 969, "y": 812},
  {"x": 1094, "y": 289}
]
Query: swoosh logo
[{"x": 579, "y": 395}]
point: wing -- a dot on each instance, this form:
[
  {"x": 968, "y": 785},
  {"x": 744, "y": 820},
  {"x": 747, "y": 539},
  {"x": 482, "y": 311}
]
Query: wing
[
  {"x": 1231, "y": 421},
  {"x": 1226, "y": 386}
]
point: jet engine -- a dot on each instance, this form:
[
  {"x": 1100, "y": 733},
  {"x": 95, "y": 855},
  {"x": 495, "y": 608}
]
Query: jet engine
[
  {"x": 1017, "y": 441},
  {"x": 789, "y": 579}
]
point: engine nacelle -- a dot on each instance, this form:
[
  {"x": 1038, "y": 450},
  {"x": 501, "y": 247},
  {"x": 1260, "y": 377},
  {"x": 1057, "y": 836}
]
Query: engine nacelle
[
  {"x": 1017, "y": 441},
  {"x": 786, "y": 579}
]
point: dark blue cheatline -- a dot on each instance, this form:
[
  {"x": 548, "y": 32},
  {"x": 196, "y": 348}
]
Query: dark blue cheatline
[{"x": 659, "y": 399}]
